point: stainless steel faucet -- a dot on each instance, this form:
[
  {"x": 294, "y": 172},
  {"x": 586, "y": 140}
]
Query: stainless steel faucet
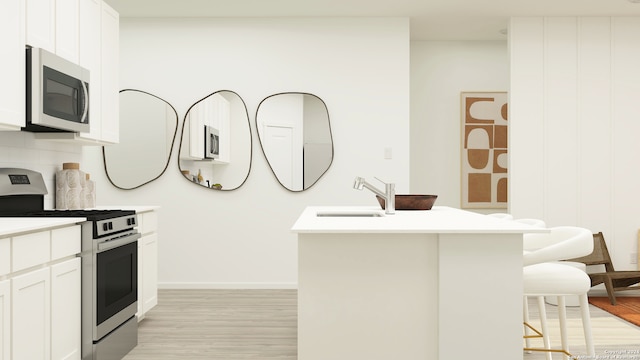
[{"x": 389, "y": 194}]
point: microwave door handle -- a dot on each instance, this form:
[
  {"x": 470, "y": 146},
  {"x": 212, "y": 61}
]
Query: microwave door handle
[{"x": 86, "y": 102}]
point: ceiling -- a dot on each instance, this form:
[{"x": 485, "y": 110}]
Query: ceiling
[{"x": 429, "y": 19}]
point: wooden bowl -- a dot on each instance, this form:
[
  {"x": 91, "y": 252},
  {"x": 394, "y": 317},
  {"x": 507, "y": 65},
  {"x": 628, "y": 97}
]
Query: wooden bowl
[{"x": 411, "y": 202}]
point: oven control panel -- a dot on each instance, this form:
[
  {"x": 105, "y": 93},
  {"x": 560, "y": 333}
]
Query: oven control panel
[
  {"x": 115, "y": 225},
  {"x": 15, "y": 181}
]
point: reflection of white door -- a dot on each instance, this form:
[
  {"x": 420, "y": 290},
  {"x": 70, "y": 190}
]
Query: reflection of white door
[{"x": 278, "y": 147}]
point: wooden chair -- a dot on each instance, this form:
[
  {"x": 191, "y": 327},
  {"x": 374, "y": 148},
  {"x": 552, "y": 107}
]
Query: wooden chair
[{"x": 613, "y": 280}]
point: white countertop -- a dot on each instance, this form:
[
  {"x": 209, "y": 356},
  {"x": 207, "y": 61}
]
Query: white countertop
[
  {"x": 11, "y": 226},
  {"x": 440, "y": 219}
]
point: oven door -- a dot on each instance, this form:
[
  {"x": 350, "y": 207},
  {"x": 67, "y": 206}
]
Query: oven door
[{"x": 116, "y": 279}]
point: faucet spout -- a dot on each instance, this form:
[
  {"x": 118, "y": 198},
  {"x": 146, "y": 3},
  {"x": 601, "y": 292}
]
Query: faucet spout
[{"x": 389, "y": 195}]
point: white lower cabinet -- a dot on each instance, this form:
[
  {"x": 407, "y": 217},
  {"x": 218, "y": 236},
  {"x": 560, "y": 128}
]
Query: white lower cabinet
[
  {"x": 147, "y": 262},
  {"x": 65, "y": 305},
  {"x": 31, "y": 315},
  {"x": 40, "y": 296},
  {"x": 5, "y": 320},
  {"x": 149, "y": 272}
]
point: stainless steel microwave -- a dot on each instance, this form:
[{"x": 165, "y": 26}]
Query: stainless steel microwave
[{"x": 57, "y": 94}]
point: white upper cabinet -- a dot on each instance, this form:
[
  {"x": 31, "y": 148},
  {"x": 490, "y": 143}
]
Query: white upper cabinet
[
  {"x": 214, "y": 111},
  {"x": 54, "y": 25},
  {"x": 86, "y": 32},
  {"x": 91, "y": 58},
  {"x": 12, "y": 65},
  {"x": 110, "y": 48}
]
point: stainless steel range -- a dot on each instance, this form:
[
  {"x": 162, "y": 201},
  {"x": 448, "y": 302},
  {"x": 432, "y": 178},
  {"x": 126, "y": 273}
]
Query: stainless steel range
[{"x": 109, "y": 264}]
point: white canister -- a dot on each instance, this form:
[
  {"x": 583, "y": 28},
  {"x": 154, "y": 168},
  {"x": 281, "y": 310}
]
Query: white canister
[{"x": 69, "y": 183}]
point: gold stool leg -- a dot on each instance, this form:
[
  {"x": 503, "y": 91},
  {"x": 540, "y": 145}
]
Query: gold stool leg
[{"x": 538, "y": 334}]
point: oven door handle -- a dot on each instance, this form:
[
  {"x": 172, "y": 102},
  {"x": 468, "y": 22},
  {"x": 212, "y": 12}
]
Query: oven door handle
[{"x": 108, "y": 245}]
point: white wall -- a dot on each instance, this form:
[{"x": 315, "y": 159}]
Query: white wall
[
  {"x": 439, "y": 72},
  {"x": 358, "y": 66},
  {"x": 575, "y": 85}
]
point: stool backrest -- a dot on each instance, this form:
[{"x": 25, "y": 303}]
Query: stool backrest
[{"x": 600, "y": 254}]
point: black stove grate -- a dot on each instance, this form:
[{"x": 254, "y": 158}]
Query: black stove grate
[{"x": 91, "y": 215}]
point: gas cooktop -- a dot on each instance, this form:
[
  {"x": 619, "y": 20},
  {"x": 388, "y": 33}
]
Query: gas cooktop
[{"x": 91, "y": 215}]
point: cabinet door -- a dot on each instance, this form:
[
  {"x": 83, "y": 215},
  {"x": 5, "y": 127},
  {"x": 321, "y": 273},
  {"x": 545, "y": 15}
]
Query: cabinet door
[
  {"x": 65, "y": 310},
  {"x": 68, "y": 29},
  {"x": 41, "y": 24},
  {"x": 90, "y": 58},
  {"x": 5, "y": 320},
  {"x": 150, "y": 272},
  {"x": 110, "y": 76},
  {"x": 139, "y": 312},
  {"x": 12, "y": 65},
  {"x": 31, "y": 315}
]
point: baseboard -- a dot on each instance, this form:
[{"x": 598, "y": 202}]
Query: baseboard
[{"x": 249, "y": 286}]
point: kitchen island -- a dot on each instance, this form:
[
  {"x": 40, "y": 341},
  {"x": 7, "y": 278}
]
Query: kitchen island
[{"x": 418, "y": 285}]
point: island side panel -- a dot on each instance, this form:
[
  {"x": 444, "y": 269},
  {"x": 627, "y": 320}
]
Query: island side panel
[
  {"x": 480, "y": 296},
  {"x": 367, "y": 296}
]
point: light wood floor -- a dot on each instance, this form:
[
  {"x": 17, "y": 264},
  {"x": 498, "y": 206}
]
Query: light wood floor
[{"x": 262, "y": 324}]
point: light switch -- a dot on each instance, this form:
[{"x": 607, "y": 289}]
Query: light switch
[{"x": 388, "y": 153}]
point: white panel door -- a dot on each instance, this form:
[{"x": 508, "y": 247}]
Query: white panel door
[
  {"x": 41, "y": 24},
  {"x": 560, "y": 121},
  {"x": 278, "y": 148},
  {"x": 5, "y": 320},
  {"x": 626, "y": 147},
  {"x": 12, "y": 65},
  {"x": 31, "y": 315},
  {"x": 594, "y": 111},
  {"x": 526, "y": 136},
  {"x": 65, "y": 310}
]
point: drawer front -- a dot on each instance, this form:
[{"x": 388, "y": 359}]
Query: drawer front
[
  {"x": 149, "y": 222},
  {"x": 65, "y": 242},
  {"x": 31, "y": 250},
  {"x": 5, "y": 256}
]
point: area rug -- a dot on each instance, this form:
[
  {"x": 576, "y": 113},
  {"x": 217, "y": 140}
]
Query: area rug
[{"x": 627, "y": 307}]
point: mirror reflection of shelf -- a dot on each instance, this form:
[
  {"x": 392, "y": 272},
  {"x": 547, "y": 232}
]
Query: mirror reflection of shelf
[{"x": 209, "y": 161}]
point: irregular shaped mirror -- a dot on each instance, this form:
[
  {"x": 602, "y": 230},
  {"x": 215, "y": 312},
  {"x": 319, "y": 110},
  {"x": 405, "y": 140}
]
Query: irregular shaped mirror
[
  {"x": 148, "y": 129},
  {"x": 215, "y": 148},
  {"x": 295, "y": 135}
]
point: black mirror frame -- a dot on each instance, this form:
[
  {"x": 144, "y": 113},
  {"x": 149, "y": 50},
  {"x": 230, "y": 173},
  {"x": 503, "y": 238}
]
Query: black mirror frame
[
  {"x": 265, "y": 155},
  {"x": 175, "y": 133},
  {"x": 184, "y": 121}
]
